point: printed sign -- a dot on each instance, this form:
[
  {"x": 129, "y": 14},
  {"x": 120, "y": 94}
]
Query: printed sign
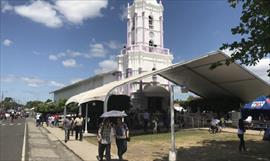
[{"x": 257, "y": 104}]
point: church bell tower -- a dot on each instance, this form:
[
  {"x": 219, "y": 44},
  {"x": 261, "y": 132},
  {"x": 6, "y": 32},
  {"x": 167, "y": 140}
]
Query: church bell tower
[{"x": 144, "y": 49}]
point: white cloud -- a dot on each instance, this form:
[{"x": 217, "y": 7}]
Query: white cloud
[
  {"x": 30, "y": 81},
  {"x": 56, "y": 84},
  {"x": 33, "y": 82},
  {"x": 54, "y": 14},
  {"x": 261, "y": 69},
  {"x": 41, "y": 12},
  {"x": 106, "y": 66},
  {"x": 97, "y": 50},
  {"x": 70, "y": 63},
  {"x": 76, "y": 11},
  {"x": 75, "y": 80},
  {"x": 124, "y": 12},
  {"x": 8, "y": 79},
  {"x": 113, "y": 44},
  {"x": 7, "y": 42},
  {"x": 5, "y": 6},
  {"x": 55, "y": 57},
  {"x": 73, "y": 53}
]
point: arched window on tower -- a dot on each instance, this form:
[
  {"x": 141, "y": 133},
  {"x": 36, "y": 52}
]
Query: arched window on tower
[
  {"x": 134, "y": 21},
  {"x": 151, "y": 22},
  {"x": 151, "y": 45}
]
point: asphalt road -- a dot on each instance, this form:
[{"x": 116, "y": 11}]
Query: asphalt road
[{"x": 11, "y": 139}]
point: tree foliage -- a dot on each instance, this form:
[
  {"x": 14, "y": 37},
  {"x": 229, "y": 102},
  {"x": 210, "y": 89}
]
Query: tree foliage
[
  {"x": 47, "y": 106},
  {"x": 9, "y": 103},
  {"x": 254, "y": 29},
  {"x": 217, "y": 105}
]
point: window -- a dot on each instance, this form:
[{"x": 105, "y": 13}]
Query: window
[
  {"x": 150, "y": 20},
  {"x": 151, "y": 43},
  {"x": 133, "y": 23}
]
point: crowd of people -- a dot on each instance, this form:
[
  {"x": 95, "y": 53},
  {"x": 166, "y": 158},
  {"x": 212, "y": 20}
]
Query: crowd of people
[
  {"x": 51, "y": 120},
  {"x": 10, "y": 115}
]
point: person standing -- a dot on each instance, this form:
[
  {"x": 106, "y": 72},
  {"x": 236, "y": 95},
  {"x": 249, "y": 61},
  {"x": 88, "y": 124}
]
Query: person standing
[
  {"x": 146, "y": 118},
  {"x": 78, "y": 122},
  {"x": 67, "y": 127},
  {"x": 122, "y": 136},
  {"x": 240, "y": 133},
  {"x": 105, "y": 132}
]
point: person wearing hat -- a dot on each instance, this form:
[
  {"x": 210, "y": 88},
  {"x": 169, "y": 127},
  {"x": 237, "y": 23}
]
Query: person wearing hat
[{"x": 78, "y": 122}]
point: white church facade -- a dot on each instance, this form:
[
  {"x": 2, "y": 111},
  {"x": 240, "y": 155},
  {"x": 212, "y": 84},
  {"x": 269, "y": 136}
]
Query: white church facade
[{"x": 144, "y": 51}]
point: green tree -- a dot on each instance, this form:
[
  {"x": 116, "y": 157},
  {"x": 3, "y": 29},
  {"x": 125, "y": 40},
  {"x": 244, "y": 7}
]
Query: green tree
[
  {"x": 254, "y": 29},
  {"x": 33, "y": 104},
  {"x": 8, "y": 103}
]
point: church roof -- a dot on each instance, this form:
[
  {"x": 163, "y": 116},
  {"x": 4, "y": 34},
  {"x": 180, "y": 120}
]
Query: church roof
[{"x": 83, "y": 81}]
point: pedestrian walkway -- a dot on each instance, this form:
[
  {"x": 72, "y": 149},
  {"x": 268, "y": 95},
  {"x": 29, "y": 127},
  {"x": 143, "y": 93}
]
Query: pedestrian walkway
[
  {"x": 42, "y": 146},
  {"x": 85, "y": 150}
]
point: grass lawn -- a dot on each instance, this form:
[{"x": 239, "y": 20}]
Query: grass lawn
[{"x": 195, "y": 145}]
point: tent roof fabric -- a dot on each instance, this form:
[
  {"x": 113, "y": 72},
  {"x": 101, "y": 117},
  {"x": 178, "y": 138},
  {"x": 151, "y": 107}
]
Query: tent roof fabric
[
  {"x": 100, "y": 93},
  {"x": 233, "y": 80}
]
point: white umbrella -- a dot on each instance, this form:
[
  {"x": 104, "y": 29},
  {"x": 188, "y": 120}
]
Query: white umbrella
[{"x": 113, "y": 113}]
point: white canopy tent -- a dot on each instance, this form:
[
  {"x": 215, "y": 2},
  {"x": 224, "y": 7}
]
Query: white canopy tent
[{"x": 233, "y": 80}]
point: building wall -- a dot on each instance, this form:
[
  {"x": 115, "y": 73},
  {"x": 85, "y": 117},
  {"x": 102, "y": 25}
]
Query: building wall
[{"x": 84, "y": 85}]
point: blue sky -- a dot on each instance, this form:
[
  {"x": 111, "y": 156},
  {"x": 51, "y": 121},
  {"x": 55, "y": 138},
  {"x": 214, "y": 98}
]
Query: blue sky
[{"x": 48, "y": 44}]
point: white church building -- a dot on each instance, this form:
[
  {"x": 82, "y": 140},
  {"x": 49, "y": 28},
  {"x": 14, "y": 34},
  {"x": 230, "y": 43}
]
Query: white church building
[{"x": 144, "y": 51}]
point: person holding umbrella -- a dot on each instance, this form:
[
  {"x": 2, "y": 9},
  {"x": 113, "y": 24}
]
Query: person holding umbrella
[
  {"x": 105, "y": 132},
  {"x": 122, "y": 136}
]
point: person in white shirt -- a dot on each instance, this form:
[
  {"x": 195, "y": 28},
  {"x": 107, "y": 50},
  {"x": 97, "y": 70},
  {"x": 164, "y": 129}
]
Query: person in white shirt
[{"x": 78, "y": 122}]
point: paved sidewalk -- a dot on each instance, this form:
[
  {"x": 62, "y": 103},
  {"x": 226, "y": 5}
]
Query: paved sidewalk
[
  {"x": 85, "y": 150},
  {"x": 42, "y": 146}
]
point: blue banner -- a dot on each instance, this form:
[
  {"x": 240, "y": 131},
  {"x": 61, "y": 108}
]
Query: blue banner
[{"x": 261, "y": 103}]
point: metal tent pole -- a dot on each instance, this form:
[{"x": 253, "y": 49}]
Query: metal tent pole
[
  {"x": 86, "y": 118},
  {"x": 80, "y": 109},
  {"x": 65, "y": 112},
  {"x": 172, "y": 153}
]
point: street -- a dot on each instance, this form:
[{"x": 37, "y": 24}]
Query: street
[
  {"x": 11, "y": 139},
  {"x": 39, "y": 143}
]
